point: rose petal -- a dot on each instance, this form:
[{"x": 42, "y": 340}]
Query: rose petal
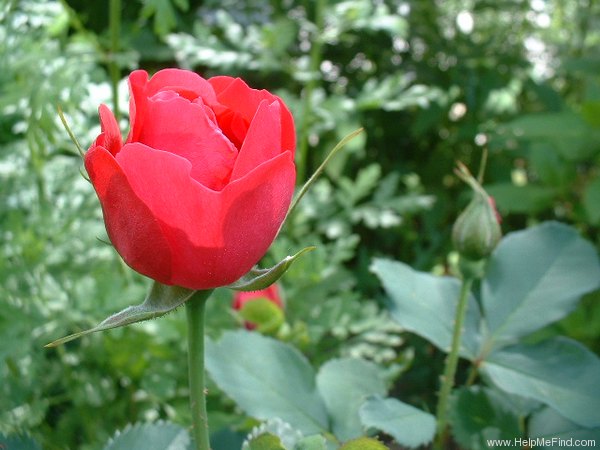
[
  {"x": 221, "y": 82},
  {"x": 130, "y": 225},
  {"x": 232, "y": 124},
  {"x": 235, "y": 94},
  {"x": 215, "y": 237},
  {"x": 112, "y": 139},
  {"x": 252, "y": 212},
  {"x": 137, "y": 103},
  {"x": 239, "y": 97},
  {"x": 263, "y": 140},
  {"x": 187, "y": 84},
  {"x": 162, "y": 180},
  {"x": 183, "y": 128}
]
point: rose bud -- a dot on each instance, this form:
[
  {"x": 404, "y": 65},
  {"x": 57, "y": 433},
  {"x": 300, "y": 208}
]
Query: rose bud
[
  {"x": 197, "y": 193},
  {"x": 477, "y": 231},
  {"x": 260, "y": 309}
]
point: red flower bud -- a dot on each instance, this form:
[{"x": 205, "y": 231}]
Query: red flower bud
[
  {"x": 198, "y": 191},
  {"x": 258, "y": 305}
]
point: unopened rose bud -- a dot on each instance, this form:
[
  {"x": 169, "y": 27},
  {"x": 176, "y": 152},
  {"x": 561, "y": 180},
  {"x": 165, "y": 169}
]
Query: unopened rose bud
[
  {"x": 477, "y": 231},
  {"x": 198, "y": 191},
  {"x": 261, "y": 310}
]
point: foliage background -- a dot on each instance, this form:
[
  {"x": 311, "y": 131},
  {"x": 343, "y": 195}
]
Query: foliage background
[{"x": 431, "y": 82}]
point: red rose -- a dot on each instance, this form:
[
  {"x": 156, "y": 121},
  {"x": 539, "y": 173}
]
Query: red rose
[
  {"x": 271, "y": 293},
  {"x": 242, "y": 298},
  {"x": 198, "y": 191}
]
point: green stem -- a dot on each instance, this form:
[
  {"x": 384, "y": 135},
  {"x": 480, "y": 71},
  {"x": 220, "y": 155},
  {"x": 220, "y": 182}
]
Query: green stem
[
  {"x": 472, "y": 375},
  {"x": 113, "y": 66},
  {"x": 451, "y": 363},
  {"x": 195, "y": 308},
  {"x": 314, "y": 65}
]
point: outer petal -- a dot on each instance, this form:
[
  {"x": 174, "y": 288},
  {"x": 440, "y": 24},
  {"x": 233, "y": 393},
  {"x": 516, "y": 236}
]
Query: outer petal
[
  {"x": 132, "y": 228},
  {"x": 263, "y": 140},
  {"x": 162, "y": 181},
  {"x": 215, "y": 237},
  {"x": 137, "y": 103},
  {"x": 178, "y": 126},
  {"x": 111, "y": 134},
  {"x": 235, "y": 94}
]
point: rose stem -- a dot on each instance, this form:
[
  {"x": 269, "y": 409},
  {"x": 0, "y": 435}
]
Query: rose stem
[
  {"x": 316, "y": 51},
  {"x": 451, "y": 363},
  {"x": 195, "y": 308},
  {"x": 113, "y": 65}
]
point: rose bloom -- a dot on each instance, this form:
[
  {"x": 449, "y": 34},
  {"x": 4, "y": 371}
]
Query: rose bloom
[
  {"x": 241, "y": 298},
  {"x": 198, "y": 191}
]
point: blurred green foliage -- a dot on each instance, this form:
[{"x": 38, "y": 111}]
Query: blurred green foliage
[{"x": 431, "y": 82}]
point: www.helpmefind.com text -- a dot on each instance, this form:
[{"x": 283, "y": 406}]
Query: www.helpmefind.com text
[{"x": 541, "y": 442}]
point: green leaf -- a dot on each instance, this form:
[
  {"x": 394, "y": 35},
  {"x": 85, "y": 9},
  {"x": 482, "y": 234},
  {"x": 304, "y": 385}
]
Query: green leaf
[
  {"x": 225, "y": 438},
  {"x": 536, "y": 277},
  {"x": 18, "y": 442},
  {"x": 258, "y": 279},
  {"x": 266, "y": 315},
  {"x": 566, "y": 130},
  {"x": 425, "y": 304},
  {"x": 558, "y": 372},
  {"x": 527, "y": 199},
  {"x": 408, "y": 425},
  {"x": 551, "y": 169},
  {"x": 583, "y": 324},
  {"x": 161, "y": 300},
  {"x": 151, "y": 436},
  {"x": 314, "y": 442},
  {"x": 551, "y": 427},
  {"x": 590, "y": 111},
  {"x": 267, "y": 378},
  {"x": 344, "y": 384},
  {"x": 266, "y": 441},
  {"x": 478, "y": 414},
  {"x": 363, "y": 443},
  {"x": 591, "y": 201}
]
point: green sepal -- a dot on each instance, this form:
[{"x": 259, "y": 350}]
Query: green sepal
[
  {"x": 161, "y": 300},
  {"x": 266, "y": 315},
  {"x": 70, "y": 133},
  {"x": 258, "y": 279},
  {"x": 341, "y": 144},
  {"x": 472, "y": 269}
]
